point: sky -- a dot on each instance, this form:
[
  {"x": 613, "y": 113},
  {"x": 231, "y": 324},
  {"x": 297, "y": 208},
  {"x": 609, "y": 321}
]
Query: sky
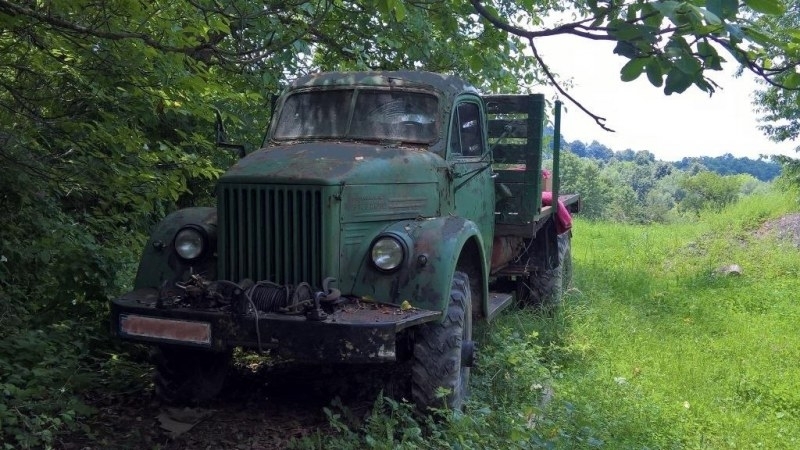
[{"x": 644, "y": 118}]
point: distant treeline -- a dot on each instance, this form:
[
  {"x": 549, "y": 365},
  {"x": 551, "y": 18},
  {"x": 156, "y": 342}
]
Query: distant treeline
[{"x": 727, "y": 164}]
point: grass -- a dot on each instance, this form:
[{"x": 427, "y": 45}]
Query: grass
[
  {"x": 653, "y": 348},
  {"x": 677, "y": 355}
]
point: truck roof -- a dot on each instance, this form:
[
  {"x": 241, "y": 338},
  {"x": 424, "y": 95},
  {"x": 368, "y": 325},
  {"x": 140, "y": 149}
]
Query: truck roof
[{"x": 449, "y": 85}]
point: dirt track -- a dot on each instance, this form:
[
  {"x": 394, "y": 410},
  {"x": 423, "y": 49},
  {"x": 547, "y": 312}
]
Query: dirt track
[{"x": 256, "y": 411}]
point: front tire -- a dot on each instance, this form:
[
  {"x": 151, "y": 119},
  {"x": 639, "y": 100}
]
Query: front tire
[
  {"x": 442, "y": 353},
  {"x": 188, "y": 376}
]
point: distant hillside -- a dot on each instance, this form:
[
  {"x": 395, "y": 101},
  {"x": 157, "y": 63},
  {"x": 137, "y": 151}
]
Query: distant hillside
[{"x": 726, "y": 164}]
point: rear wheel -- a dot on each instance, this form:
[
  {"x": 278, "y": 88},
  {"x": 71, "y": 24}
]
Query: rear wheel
[
  {"x": 186, "y": 376},
  {"x": 565, "y": 256},
  {"x": 544, "y": 288},
  {"x": 443, "y": 353}
]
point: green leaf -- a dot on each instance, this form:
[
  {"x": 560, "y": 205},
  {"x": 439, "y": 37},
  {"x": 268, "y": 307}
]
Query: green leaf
[
  {"x": 654, "y": 73},
  {"x": 758, "y": 37},
  {"x": 666, "y": 8},
  {"x": 792, "y": 81},
  {"x": 704, "y": 49},
  {"x": 626, "y": 49},
  {"x": 475, "y": 62},
  {"x": 653, "y": 16},
  {"x": 725, "y": 9},
  {"x": 770, "y": 7},
  {"x": 399, "y": 9},
  {"x": 632, "y": 69},
  {"x": 704, "y": 85},
  {"x": 710, "y": 17},
  {"x": 709, "y": 55},
  {"x": 677, "y": 81},
  {"x": 599, "y": 17},
  {"x": 624, "y": 31},
  {"x": 735, "y": 32}
]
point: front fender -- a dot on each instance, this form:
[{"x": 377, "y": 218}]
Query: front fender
[
  {"x": 433, "y": 247},
  {"x": 160, "y": 263}
]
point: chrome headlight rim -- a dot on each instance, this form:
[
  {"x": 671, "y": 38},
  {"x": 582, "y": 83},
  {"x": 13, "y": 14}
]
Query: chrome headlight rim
[
  {"x": 187, "y": 234},
  {"x": 388, "y": 253}
]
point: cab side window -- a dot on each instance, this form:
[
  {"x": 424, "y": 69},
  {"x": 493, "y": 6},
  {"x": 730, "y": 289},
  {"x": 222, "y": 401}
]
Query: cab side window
[{"x": 466, "y": 131}]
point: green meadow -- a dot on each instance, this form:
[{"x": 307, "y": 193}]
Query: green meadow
[{"x": 652, "y": 348}]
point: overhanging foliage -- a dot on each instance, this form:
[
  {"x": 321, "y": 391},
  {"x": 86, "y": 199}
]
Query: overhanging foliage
[{"x": 108, "y": 107}]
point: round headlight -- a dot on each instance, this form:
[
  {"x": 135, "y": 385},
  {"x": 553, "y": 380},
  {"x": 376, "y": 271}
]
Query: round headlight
[
  {"x": 387, "y": 253},
  {"x": 189, "y": 243}
]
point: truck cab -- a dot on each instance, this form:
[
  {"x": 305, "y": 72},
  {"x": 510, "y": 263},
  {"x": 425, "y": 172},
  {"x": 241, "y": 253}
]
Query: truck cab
[{"x": 368, "y": 227}]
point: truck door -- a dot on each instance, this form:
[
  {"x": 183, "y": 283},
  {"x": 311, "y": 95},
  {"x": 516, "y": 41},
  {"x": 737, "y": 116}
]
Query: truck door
[{"x": 473, "y": 186}]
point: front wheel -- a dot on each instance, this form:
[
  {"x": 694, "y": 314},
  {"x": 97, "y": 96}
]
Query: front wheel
[
  {"x": 443, "y": 352},
  {"x": 188, "y": 376}
]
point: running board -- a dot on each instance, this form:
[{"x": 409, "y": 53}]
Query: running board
[{"x": 498, "y": 301}]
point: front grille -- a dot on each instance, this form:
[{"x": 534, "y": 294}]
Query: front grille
[{"x": 270, "y": 233}]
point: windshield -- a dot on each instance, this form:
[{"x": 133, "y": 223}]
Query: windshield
[{"x": 376, "y": 115}]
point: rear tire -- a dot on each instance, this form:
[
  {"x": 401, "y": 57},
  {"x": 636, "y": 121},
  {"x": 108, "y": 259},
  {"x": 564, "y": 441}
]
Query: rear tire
[
  {"x": 188, "y": 376},
  {"x": 442, "y": 351},
  {"x": 544, "y": 288},
  {"x": 565, "y": 255}
]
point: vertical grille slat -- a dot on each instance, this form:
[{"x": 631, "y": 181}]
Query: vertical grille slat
[
  {"x": 316, "y": 234},
  {"x": 296, "y": 230},
  {"x": 283, "y": 269},
  {"x": 304, "y": 218},
  {"x": 250, "y": 213},
  {"x": 271, "y": 233},
  {"x": 241, "y": 226},
  {"x": 261, "y": 241}
]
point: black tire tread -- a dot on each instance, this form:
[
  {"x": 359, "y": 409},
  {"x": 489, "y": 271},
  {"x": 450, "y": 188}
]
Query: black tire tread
[
  {"x": 545, "y": 288},
  {"x": 437, "y": 353}
]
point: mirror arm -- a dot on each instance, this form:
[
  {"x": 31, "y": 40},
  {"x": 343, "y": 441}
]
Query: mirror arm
[{"x": 222, "y": 138}]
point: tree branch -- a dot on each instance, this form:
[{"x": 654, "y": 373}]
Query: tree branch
[
  {"x": 570, "y": 28},
  {"x": 600, "y": 121}
]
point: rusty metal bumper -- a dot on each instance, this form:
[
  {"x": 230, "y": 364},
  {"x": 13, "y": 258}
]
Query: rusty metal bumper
[{"x": 356, "y": 332}]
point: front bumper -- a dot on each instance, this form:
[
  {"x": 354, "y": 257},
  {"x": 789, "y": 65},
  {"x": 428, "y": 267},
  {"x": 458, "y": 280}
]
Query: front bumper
[{"x": 355, "y": 332}]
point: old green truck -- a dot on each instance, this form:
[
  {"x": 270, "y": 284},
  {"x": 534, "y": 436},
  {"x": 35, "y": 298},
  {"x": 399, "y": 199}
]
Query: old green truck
[{"x": 384, "y": 213}]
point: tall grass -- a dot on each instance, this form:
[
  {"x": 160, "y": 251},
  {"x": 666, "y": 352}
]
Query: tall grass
[
  {"x": 678, "y": 354},
  {"x": 653, "y": 348}
]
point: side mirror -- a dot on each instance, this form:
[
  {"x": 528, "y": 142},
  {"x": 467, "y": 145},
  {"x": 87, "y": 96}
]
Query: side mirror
[{"x": 222, "y": 137}]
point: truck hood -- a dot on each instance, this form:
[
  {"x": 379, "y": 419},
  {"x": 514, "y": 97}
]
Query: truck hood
[{"x": 336, "y": 163}]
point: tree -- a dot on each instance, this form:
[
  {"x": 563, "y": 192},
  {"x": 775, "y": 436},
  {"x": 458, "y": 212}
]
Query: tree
[
  {"x": 708, "y": 190},
  {"x": 674, "y": 43},
  {"x": 729, "y": 165},
  {"x": 578, "y": 148},
  {"x": 583, "y": 176},
  {"x": 598, "y": 151},
  {"x": 626, "y": 155},
  {"x": 662, "y": 169},
  {"x": 777, "y": 101},
  {"x": 644, "y": 158}
]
